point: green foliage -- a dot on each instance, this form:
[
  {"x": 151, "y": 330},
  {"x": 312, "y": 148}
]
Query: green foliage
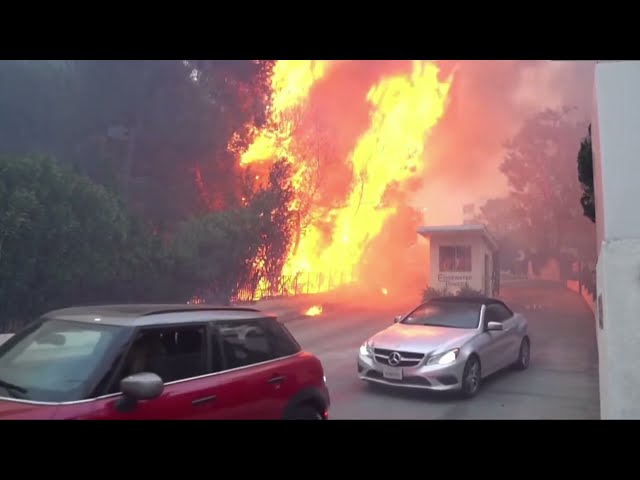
[
  {"x": 141, "y": 128},
  {"x": 464, "y": 291},
  {"x": 276, "y": 221},
  {"x": 65, "y": 240},
  {"x": 431, "y": 292},
  {"x": 219, "y": 253},
  {"x": 585, "y": 176},
  {"x": 61, "y": 236},
  {"x": 213, "y": 254},
  {"x": 136, "y": 196},
  {"x": 467, "y": 291}
]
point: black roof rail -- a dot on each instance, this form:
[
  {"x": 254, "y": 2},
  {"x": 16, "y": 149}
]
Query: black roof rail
[{"x": 198, "y": 309}]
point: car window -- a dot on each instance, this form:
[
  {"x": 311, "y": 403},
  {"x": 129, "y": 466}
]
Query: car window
[
  {"x": 283, "y": 342},
  {"x": 249, "y": 342},
  {"x": 174, "y": 353},
  {"x": 59, "y": 361},
  {"x": 502, "y": 312},
  {"x": 490, "y": 314},
  {"x": 497, "y": 313},
  {"x": 445, "y": 314}
]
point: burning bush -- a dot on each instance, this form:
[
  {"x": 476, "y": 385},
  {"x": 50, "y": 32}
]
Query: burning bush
[{"x": 222, "y": 256}]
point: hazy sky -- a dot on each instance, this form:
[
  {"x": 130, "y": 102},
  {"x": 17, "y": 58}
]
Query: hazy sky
[{"x": 488, "y": 102}]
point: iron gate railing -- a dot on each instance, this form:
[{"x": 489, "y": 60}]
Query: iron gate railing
[{"x": 289, "y": 285}]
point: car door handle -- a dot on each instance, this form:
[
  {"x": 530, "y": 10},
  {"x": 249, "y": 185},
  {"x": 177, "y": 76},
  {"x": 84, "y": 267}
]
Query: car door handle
[
  {"x": 277, "y": 379},
  {"x": 203, "y": 400}
]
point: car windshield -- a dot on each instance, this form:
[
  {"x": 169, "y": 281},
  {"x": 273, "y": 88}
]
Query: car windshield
[
  {"x": 444, "y": 314},
  {"x": 57, "y": 360}
]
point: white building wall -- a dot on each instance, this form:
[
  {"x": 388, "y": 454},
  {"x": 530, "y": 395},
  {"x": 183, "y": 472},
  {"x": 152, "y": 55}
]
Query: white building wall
[{"x": 616, "y": 149}]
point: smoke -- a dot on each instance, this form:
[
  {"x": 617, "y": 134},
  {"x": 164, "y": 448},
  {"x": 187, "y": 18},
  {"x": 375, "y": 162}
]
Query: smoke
[
  {"x": 487, "y": 104},
  {"x": 489, "y": 101}
]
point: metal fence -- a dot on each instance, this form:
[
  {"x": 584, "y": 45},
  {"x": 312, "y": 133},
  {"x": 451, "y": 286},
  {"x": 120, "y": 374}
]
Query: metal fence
[
  {"x": 584, "y": 273},
  {"x": 289, "y": 285}
]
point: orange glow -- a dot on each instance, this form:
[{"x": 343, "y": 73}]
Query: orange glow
[
  {"x": 384, "y": 160},
  {"x": 291, "y": 82},
  {"x": 385, "y": 291},
  {"x": 313, "y": 311}
]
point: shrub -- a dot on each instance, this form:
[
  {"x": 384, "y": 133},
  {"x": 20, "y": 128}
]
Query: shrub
[{"x": 467, "y": 291}]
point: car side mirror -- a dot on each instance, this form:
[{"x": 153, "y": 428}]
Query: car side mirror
[
  {"x": 139, "y": 386},
  {"x": 397, "y": 318},
  {"x": 494, "y": 326}
]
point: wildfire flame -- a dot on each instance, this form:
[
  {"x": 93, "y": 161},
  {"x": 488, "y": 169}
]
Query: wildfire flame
[
  {"x": 388, "y": 154},
  {"x": 313, "y": 311},
  {"x": 291, "y": 82}
]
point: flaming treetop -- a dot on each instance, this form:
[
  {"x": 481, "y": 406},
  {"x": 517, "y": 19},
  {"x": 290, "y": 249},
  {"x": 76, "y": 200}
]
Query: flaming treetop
[{"x": 385, "y": 159}]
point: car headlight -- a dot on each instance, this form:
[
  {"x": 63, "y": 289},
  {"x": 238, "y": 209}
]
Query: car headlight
[
  {"x": 444, "y": 358},
  {"x": 366, "y": 350}
]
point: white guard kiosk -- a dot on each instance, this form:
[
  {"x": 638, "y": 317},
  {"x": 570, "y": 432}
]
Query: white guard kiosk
[{"x": 462, "y": 254}]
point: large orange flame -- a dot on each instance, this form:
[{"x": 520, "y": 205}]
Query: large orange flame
[
  {"x": 387, "y": 156},
  {"x": 291, "y": 82}
]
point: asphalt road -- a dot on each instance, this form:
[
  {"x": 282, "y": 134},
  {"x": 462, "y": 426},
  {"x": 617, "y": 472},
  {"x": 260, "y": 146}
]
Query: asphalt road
[{"x": 561, "y": 382}]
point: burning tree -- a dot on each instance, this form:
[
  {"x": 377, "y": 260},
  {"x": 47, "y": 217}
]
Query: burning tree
[
  {"x": 225, "y": 255},
  {"x": 277, "y": 223},
  {"x": 335, "y": 221}
]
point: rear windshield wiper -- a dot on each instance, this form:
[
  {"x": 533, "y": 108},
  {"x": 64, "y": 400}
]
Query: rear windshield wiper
[{"x": 10, "y": 387}]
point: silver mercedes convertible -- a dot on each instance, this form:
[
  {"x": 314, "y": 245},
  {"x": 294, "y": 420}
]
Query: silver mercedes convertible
[{"x": 447, "y": 343}]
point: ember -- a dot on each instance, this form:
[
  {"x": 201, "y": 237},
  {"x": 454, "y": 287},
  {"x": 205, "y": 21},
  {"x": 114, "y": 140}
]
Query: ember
[
  {"x": 195, "y": 301},
  {"x": 313, "y": 311}
]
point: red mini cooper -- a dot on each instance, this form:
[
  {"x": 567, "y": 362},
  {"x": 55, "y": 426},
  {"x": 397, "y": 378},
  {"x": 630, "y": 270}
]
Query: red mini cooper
[{"x": 134, "y": 362}]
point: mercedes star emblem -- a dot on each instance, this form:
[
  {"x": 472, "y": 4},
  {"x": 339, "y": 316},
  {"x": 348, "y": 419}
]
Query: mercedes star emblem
[{"x": 395, "y": 359}]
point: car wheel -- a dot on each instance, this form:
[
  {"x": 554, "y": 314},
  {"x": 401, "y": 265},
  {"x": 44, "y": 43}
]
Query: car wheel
[
  {"x": 471, "y": 377},
  {"x": 524, "y": 357},
  {"x": 305, "y": 412}
]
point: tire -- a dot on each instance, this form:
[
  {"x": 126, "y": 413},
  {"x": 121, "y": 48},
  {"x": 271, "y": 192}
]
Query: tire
[
  {"x": 471, "y": 377},
  {"x": 304, "y": 412},
  {"x": 524, "y": 355}
]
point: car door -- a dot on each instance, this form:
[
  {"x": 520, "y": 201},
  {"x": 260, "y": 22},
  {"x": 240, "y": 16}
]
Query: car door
[
  {"x": 258, "y": 380},
  {"x": 179, "y": 355},
  {"x": 512, "y": 338},
  {"x": 289, "y": 374},
  {"x": 498, "y": 343}
]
